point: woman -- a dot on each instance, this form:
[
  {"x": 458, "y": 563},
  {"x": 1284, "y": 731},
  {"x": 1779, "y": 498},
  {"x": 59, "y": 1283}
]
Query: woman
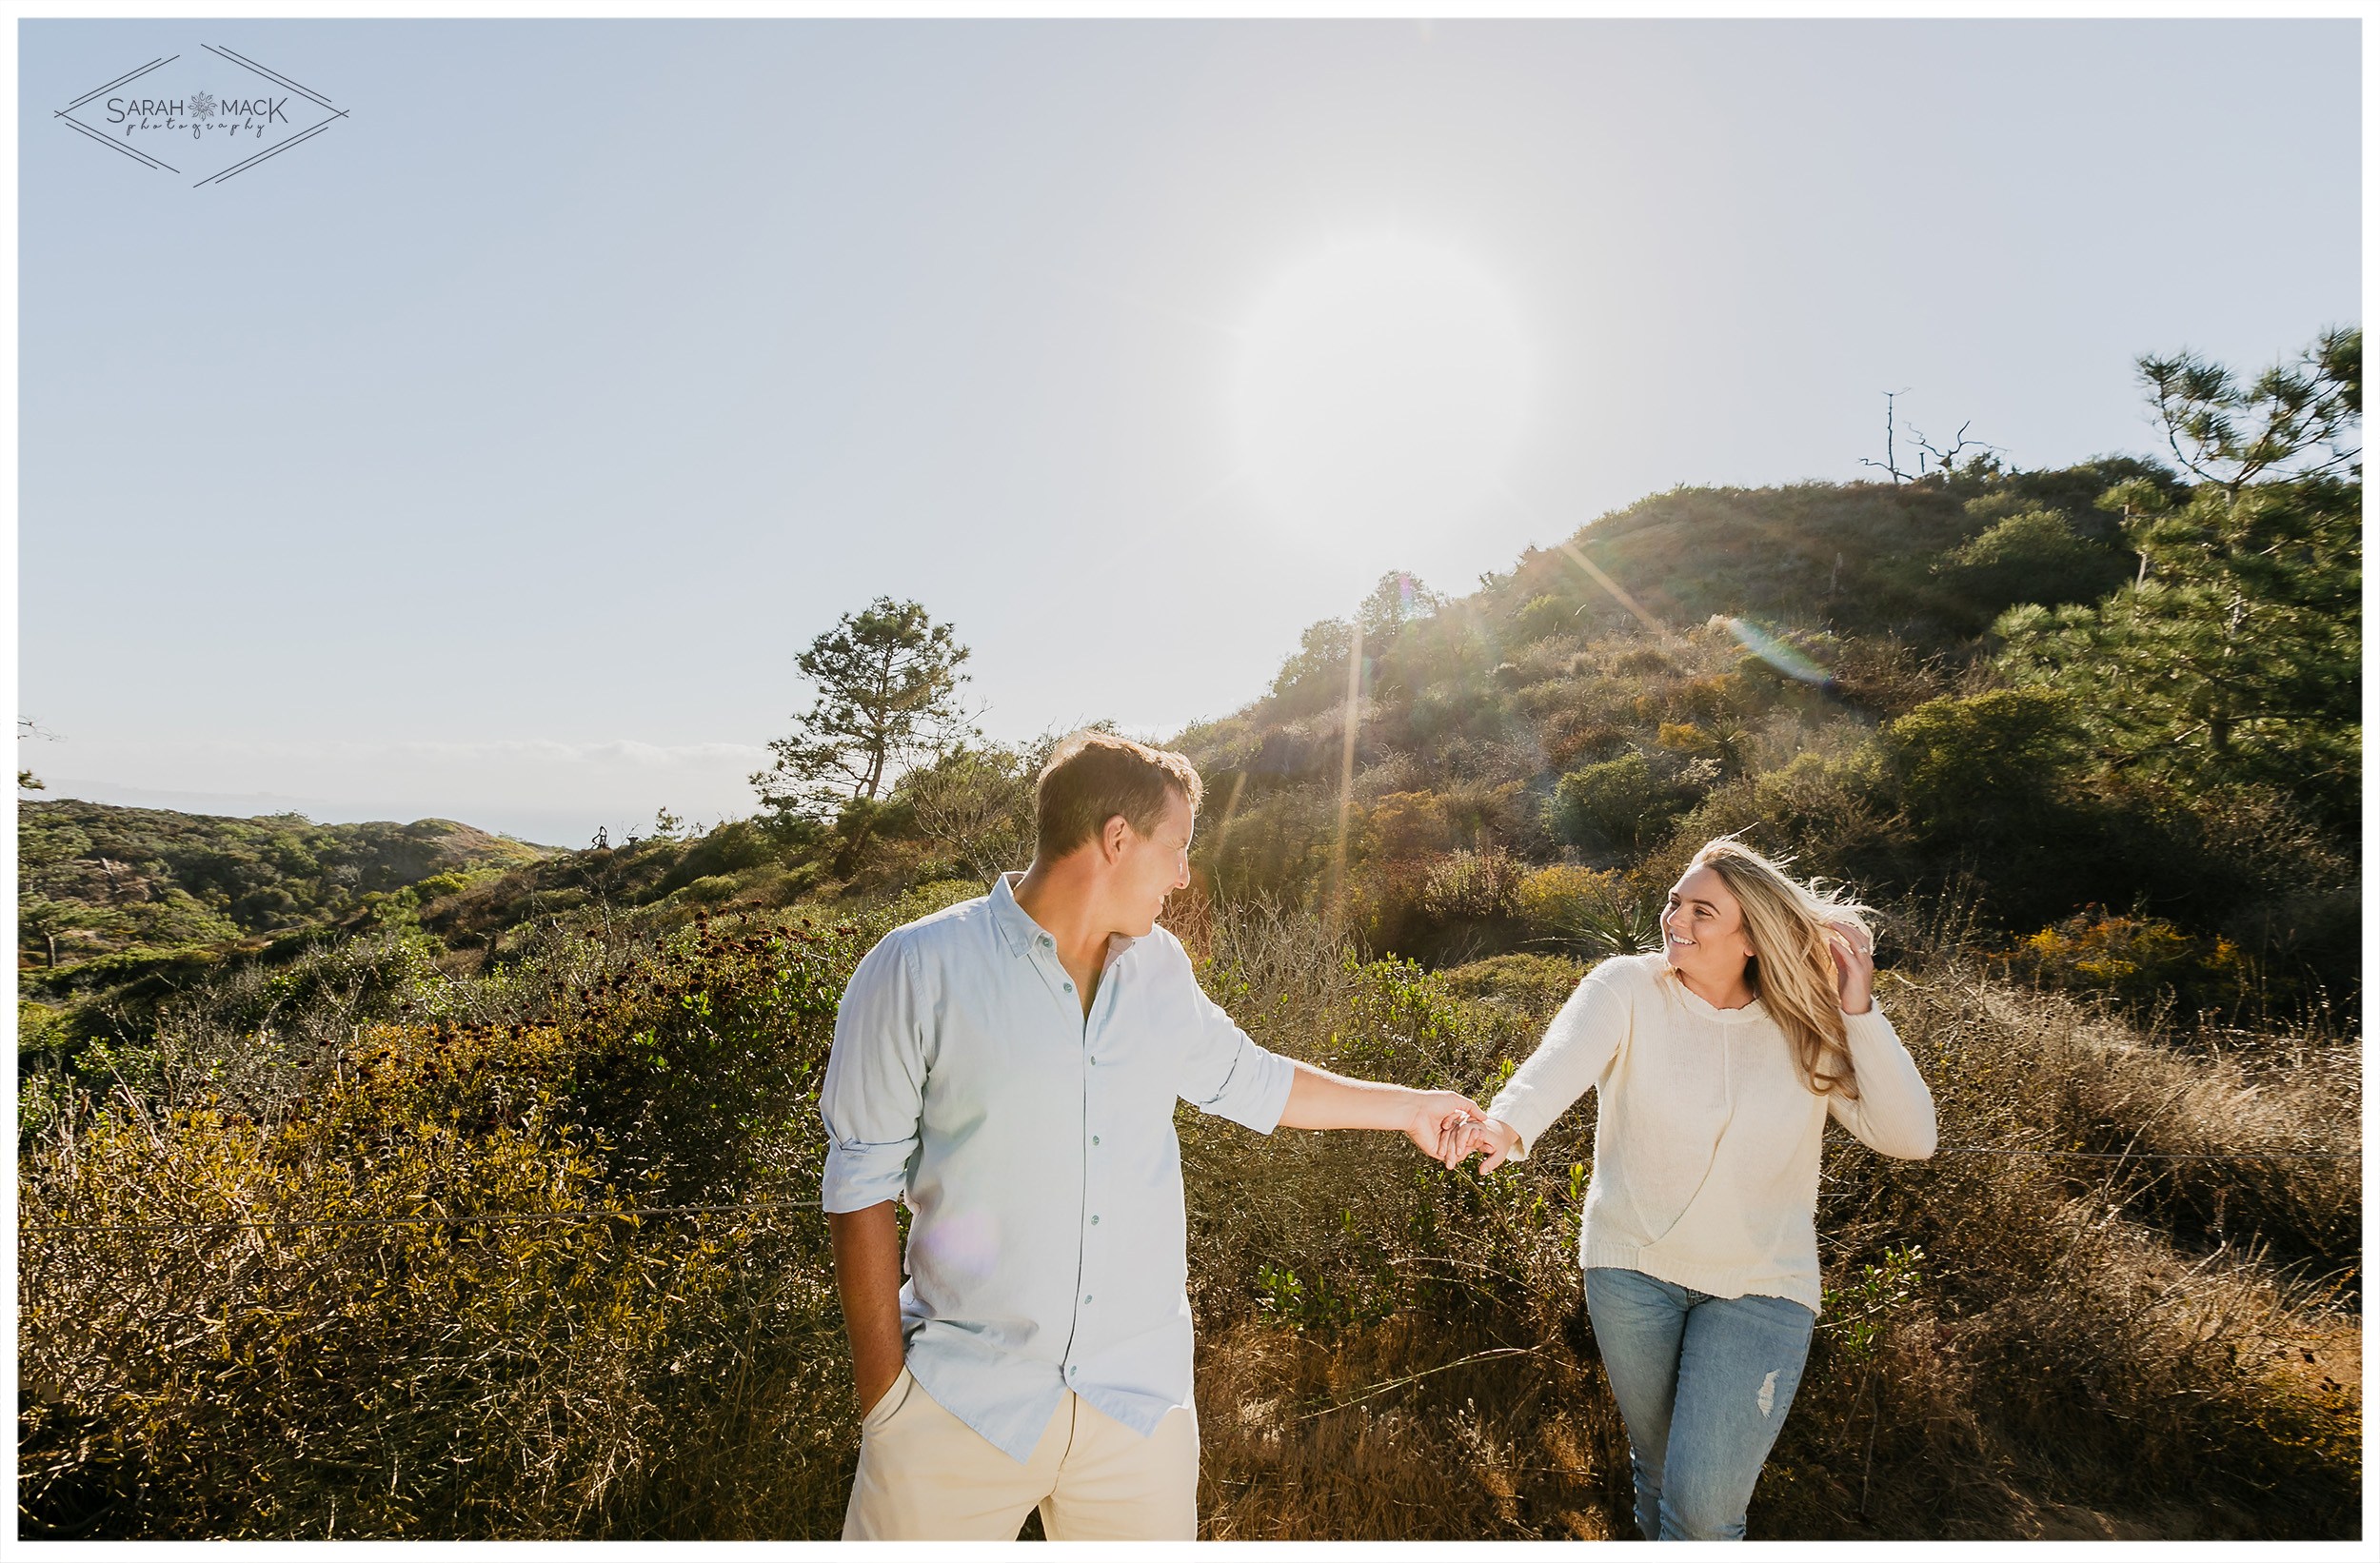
[{"x": 1718, "y": 1059}]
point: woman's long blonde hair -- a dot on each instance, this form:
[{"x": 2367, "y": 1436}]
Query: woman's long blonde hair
[{"x": 1792, "y": 969}]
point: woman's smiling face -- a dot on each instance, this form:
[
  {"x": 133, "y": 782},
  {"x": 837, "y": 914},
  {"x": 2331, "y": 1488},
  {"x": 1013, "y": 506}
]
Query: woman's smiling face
[{"x": 1702, "y": 930}]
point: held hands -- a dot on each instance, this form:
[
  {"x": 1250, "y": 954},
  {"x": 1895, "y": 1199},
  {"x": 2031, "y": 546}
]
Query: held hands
[
  {"x": 1494, "y": 1136},
  {"x": 1448, "y": 1127},
  {"x": 1441, "y": 1123},
  {"x": 1854, "y": 965}
]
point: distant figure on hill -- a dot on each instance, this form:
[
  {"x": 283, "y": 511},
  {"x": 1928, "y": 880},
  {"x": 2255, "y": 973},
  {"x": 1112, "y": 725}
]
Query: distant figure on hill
[
  {"x": 1009, "y": 1067},
  {"x": 1718, "y": 1059}
]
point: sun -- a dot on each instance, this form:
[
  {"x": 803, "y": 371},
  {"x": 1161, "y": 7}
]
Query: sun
[{"x": 1383, "y": 388}]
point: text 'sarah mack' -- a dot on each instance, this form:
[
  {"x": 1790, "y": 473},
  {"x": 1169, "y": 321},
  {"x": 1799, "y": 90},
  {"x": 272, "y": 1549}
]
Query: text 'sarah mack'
[{"x": 120, "y": 110}]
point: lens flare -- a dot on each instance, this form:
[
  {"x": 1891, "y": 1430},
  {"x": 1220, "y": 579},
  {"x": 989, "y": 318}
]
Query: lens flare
[
  {"x": 1778, "y": 654},
  {"x": 1346, "y": 773},
  {"x": 1619, "y": 593}
]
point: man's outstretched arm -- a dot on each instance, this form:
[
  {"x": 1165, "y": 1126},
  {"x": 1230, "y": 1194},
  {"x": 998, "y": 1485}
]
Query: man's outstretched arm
[
  {"x": 867, "y": 1276},
  {"x": 1319, "y": 1099}
]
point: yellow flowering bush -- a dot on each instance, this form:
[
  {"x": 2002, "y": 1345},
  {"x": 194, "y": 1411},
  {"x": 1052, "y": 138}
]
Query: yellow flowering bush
[
  {"x": 445, "y": 1280},
  {"x": 2138, "y": 960}
]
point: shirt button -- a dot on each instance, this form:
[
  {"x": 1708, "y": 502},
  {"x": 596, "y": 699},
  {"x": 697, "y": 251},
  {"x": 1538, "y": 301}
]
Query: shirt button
[
  {"x": 1094, "y": 1140},
  {"x": 1086, "y": 1296},
  {"x": 1095, "y": 1221},
  {"x": 1070, "y": 987}
]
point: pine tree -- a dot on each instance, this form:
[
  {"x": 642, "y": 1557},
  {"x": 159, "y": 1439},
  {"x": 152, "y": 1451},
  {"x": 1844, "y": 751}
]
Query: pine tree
[
  {"x": 887, "y": 681},
  {"x": 2235, "y": 656}
]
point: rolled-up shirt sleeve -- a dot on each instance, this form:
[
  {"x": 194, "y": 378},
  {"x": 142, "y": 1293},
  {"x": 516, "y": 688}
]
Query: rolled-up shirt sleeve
[
  {"x": 875, "y": 1083},
  {"x": 1226, "y": 1073}
]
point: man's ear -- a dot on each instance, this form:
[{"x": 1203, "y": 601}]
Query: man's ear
[{"x": 1115, "y": 837}]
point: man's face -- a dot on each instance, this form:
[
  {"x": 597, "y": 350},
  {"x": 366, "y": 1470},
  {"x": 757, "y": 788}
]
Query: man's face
[{"x": 1151, "y": 867}]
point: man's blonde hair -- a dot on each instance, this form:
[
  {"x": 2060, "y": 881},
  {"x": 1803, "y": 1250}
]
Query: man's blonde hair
[{"x": 1092, "y": 777}]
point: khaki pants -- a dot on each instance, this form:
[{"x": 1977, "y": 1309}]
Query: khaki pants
[{"x": 925, "y": 1476}]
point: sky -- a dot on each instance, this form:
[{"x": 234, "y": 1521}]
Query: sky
[{"x": 491, "y": 453}]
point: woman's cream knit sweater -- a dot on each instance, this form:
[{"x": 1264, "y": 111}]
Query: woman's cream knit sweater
[{"x": 1706, "y": 1144}]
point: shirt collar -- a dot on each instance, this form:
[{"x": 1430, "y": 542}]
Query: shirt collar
[
  {"x": 1021, "y": 933},
  {"x": 1015, "y": 923}
]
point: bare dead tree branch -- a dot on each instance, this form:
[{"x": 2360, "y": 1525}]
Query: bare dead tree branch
[
  {"x": 1947, "y": 461},
  {"x": 1892, "y": 458}
]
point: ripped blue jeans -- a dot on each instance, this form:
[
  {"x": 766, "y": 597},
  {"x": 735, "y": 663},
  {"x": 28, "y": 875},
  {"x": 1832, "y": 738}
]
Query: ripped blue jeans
[{"x": 1703, "y": 1384}]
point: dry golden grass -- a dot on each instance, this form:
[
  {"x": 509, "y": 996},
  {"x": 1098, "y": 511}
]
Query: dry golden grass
[
  {"x": 2016, "y": 1345},
  {"x": 2080, "y": 1347},
  {"x": 1302, "y": 1440}
]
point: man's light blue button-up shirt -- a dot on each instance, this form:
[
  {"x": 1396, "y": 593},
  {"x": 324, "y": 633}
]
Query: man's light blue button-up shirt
[{"x": 1036, "y": 1150}]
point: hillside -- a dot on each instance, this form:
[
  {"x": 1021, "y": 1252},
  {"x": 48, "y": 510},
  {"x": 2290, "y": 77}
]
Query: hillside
[
  {"x": 1530, "y": 762},
  {"x": 93, "y": 878},
  {"x": 1823, "y": 666},
  {"x": 1862, "y": 559}
]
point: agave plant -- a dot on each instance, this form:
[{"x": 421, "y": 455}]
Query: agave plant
[{"x": 1609, "y": 922}]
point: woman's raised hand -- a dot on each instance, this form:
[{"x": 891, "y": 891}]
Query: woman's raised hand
[{"x": 1854, "y": 965}]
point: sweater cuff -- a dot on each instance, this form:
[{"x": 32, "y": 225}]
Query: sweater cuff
[
  {"x": 1873, "y": 1025},
  {"x": 1516, "y": 1117}
]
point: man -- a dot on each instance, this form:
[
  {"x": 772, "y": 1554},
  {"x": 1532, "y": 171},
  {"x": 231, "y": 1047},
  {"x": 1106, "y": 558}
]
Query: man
[{"x": 1009, "y": 1066}]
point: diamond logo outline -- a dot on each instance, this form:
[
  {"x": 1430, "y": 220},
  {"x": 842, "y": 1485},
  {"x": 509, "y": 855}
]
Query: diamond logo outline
[{"x": 332, "y": 114}]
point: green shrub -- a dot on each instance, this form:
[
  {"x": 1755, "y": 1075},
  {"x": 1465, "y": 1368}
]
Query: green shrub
[
  {"x": 1543, "y": 616},
  {"x": 1575, "y": 736},
  {"x": 1983, "y": 764},
  {"x": 1620, "y": 805},
  {"x": 1550, "y": 896},
  {"x": 1833, "y": 814},
  {"x": 1532, "y": 985},
  {"x": 925, "y": 900},
  {"x": 1467, "y": 886},
  {"x": 1407, "y": 826},
  {"x": 2035, "y": 556},
  {"x": 1384, "y": 905},
  {"x": 523, "y": 1365},
  {"x": 730, "y": 847},
  {"x": 455, "y": 881}
]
